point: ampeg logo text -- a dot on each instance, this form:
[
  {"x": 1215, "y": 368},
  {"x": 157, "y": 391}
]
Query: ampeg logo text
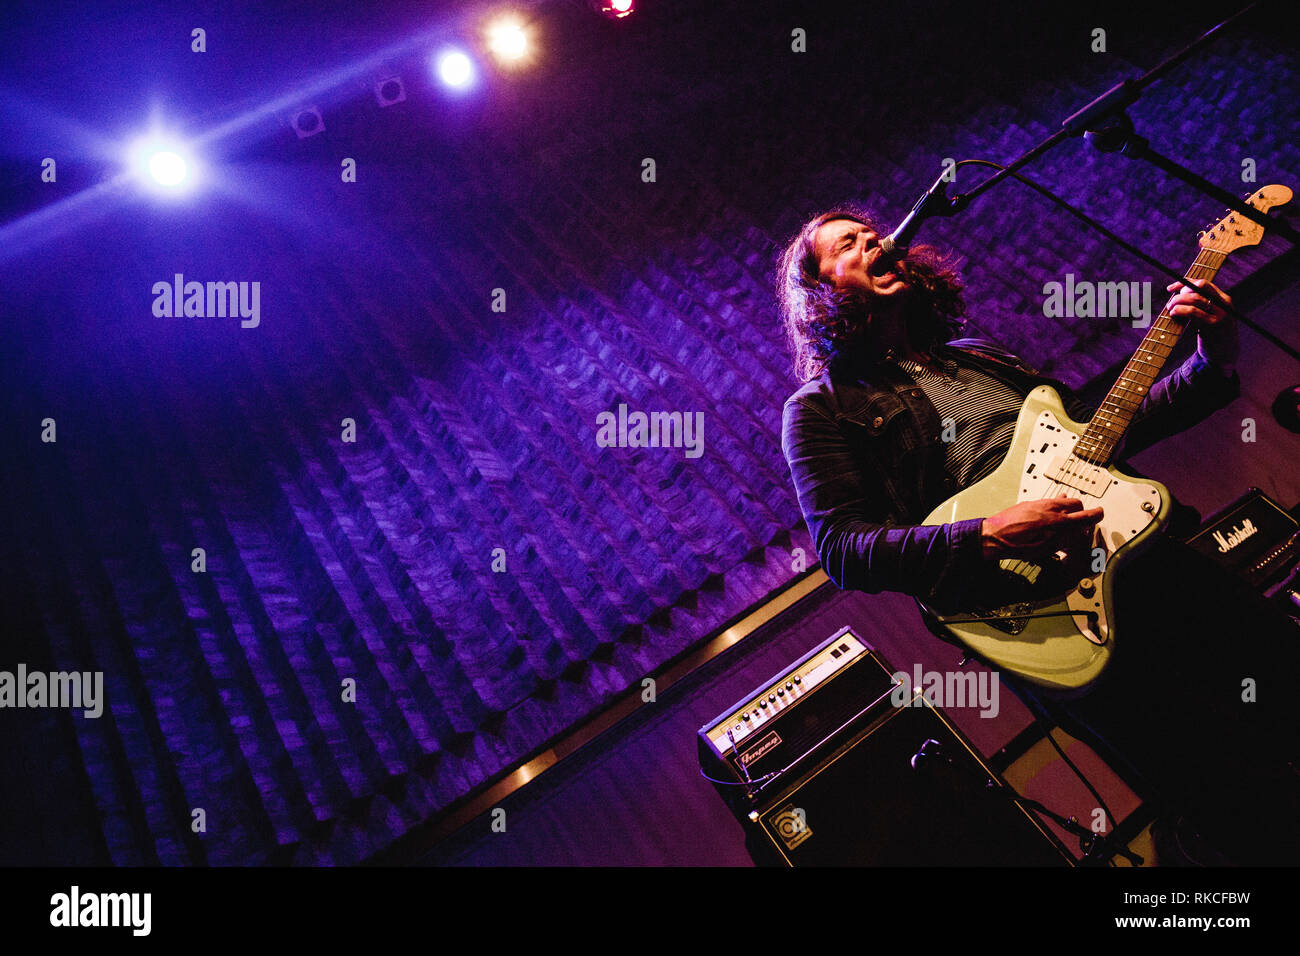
[{"x": 755, "y": 752}]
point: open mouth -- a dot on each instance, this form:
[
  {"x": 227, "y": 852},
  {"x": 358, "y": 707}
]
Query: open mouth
[{"x": 880, "y": 267}]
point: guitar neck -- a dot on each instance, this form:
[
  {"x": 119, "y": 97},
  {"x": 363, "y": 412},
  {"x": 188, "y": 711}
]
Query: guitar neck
[{"x": 1100, "y": 441}]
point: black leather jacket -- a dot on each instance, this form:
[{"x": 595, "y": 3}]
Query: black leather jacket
[{"x": 864, "y": 450}]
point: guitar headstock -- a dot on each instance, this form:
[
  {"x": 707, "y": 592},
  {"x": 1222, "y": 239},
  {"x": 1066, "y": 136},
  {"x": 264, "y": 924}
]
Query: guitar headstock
[{"x": 1234, "y": 231}]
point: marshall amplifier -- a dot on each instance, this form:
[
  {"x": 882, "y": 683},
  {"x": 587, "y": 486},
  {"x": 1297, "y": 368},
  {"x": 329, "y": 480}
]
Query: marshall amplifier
[
  {"x": 823, "y": 767},
  {"x": 1254, "y": 537}
]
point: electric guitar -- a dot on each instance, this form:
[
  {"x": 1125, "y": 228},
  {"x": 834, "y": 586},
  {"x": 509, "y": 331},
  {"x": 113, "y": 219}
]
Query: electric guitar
[{"x": 1052, "y": 623}]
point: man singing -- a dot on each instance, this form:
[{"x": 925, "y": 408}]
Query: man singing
[{"x": 893, "y": 419}]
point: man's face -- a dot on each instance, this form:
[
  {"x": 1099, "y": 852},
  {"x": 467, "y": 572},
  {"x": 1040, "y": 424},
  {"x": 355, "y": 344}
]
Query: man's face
[{"x": 848, "y": 254}]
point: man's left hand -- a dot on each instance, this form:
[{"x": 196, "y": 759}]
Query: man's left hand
[{"x": 1216, "y": 327}]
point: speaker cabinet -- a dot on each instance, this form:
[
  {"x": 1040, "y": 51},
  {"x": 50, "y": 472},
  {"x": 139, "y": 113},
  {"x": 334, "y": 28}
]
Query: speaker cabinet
[{"x": 877, "y": 803}]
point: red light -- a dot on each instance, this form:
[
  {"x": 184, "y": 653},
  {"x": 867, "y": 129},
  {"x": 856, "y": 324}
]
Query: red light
[{"x": 616, "y": 9}]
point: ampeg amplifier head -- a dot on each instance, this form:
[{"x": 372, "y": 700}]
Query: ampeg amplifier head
[{"x": 794, "y": 716}]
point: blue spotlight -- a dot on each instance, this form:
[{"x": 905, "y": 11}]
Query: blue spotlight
[{"x": 455, "y": 68}]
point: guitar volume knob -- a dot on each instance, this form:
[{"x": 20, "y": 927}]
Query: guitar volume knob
[{"x": 1087, "y": 587}]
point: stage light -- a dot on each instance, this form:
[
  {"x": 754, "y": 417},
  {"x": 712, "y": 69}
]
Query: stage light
[
  {"x": 614, "y": 9},
  {"x": 168, "y": 168},
  {"x": 390, "y": 90},
  {"x": 308, "y": 122},
  {"x": 507, "y": 40},
  {"x": 162, "y": 165},
  {"x": 455, "y": 69}
]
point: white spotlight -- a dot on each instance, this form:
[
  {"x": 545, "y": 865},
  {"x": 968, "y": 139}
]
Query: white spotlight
[
  {"x": 161, "y": 165},
  {"x": 168, "y": 168}
]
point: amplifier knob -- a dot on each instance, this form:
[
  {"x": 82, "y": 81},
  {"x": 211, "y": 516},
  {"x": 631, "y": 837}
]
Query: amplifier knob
[
  {"x": 763, "y": 704},
  {"x": 798, "y": 680},
  {"x": 780, "y": 692},
  {"x": 744, "y": 716},
  {"x": 789, "y": 685}
]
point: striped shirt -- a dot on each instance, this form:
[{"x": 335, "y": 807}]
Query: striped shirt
[{"x": 978, "y": 414}]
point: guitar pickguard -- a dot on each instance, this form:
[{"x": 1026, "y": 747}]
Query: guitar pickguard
[
  {"x": 1034, "y": 616},
  {"x": 1050, "y": 470}
]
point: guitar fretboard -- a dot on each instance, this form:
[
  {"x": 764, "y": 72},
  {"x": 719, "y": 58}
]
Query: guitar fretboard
[{"x": 1100, "y": 441}]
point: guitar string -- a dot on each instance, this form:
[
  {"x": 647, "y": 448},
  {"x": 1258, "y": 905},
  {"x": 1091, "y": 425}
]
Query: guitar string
[{"x": 1073, "y": 466}]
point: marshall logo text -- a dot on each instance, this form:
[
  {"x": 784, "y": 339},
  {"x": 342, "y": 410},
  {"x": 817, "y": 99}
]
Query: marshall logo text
[{"x": 1235, "y": 536}]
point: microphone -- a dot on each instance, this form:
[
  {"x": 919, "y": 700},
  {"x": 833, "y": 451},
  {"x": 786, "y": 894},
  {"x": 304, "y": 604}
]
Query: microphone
[
  {"x": 929, "y": 750},
  {"x": 934, "y": 202}
]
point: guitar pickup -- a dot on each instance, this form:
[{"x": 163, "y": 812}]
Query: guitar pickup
[{"x": 1078, "y": 474}]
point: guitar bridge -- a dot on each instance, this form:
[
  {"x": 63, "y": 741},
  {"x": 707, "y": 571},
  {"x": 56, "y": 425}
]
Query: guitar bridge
[{"x": 1010, "y": 619}]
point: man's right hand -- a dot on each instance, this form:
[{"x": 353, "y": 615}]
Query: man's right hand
[{"x": 1033, "y": 528}]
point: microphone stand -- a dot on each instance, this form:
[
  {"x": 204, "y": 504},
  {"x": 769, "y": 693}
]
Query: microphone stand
[
  {"x": 1097, "y": 848},
  {"x": 1117, "y": 134}
]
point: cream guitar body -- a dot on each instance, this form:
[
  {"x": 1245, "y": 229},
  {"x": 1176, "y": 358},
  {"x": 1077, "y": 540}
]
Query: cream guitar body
[{"x": 1065, "y": 652}]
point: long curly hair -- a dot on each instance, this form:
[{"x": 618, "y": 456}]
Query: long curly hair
[{"x": 822, "y": 322}]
